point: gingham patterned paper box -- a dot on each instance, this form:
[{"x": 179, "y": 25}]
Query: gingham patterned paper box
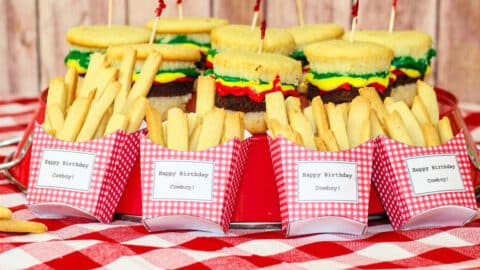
[
  {"x": 422, "y": 187},
  {"x": 322, "y": 192},
  {"x": 190, "y": 190},
  {"x": 83, "y": 179}
]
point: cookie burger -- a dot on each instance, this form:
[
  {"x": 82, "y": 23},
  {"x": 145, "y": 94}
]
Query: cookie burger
[
  {"x": 243, "y": 79},
  {"x": 173, "y": 85},
  {"x": 308, "y": 34},
  {"x": 338, "y": 68},
  {"x": 412, "y": 58},
  {"x": 243, "y": 37},
  {"x": 85, "y": 40},
  {"x": 188, "y": 31}
]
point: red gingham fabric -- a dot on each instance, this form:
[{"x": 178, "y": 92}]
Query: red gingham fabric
[
  {"x": 229, "y": 160},
  {"x": 285, "y": 156},
  {"x": 390, "y": 177},
  {"x": 74, "y": 243},
  {"x": 115, "y": 155}
]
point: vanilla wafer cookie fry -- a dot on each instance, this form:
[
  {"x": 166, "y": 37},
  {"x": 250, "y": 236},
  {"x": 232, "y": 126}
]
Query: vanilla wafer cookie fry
[
  {"x": 5, "y": 213},
  {"x": 97, "y": 60},
  {"x": 376, "y": 103},
  {"x": 145, "y": 80},
  {"x": 320, "y": 115},
  {"x": 300, "y": 124},
  {"x": 275, "y": 107},
  {"x": 445, "y": 129},
  {"x": 205, "y": 94},
  {"x": 71, "y": 80},
  {"x": 396, "y": 129},
  {"x": 125, "y": 78},
  {"x": 233, "y": 126},
  {"x": 308, "y": 112},
  {"x": 116, "y": 122},
  {"x": 429, "y": 98},
  {"x": 420, "y": 111},
  {"x": 136, "y": 114},
  {"x": 338, "y": 126},
  {"x": 413, "y": 128},
  {"x": 154, "y": 125},
  {"x": 75, "y": 118},
  {"x": 21, "y": 226},
  {"x": 358, "y": 119},
  {"x": 212, "y": 129},
  {"x": 97, "y": 111},
  {"x": 177, "y": 130},
  {"x": 330, "y": 142},
  {"x": 430, "y": 133}
]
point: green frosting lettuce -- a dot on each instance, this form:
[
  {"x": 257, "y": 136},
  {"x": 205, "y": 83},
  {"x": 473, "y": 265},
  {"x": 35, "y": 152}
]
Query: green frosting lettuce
[
  {"x": 208, "y": 72},
  {"x": 181, "y": 39},
  {"x": 212, "y": 52},
  {"x": 190, "y": 72},
  {"x": 238, "y": 79},
  {"x": 420, "y": 64},
  {"x": 320, "y": 76},
  {"x": 298, "y": 55},
  {"x": 83, "y": 58}
]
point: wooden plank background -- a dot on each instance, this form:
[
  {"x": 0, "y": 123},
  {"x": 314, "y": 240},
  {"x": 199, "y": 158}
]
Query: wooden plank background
[{"x": 33, "y": 43}]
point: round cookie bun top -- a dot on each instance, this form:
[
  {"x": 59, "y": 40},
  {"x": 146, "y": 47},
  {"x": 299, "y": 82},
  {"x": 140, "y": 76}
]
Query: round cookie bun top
[
  {"x": 187, "y": 25},
  {"x": 315, "y": 32},
  {"x": 169, "y": 52},
  {"x": 253, "y": 66},
  {"x": 343, "y": 56},
  {"x": 102, "y": 36},
  {"x": 403, "y": 43},
  {"x": 243, "y": 37}
]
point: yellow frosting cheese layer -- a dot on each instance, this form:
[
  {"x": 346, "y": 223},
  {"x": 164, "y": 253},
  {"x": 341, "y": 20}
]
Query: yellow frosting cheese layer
[
  {"x": 71, "y": 63},
  {"x": 258, "y": 87},
  {"x": 332, "y": 83},
  {"x": 164, "y": 77}
]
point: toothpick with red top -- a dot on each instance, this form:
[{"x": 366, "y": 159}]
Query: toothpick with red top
[
  {"x": 256, "y": 9},
  {"x": 354, "y": 18},
  {"x": 158, "y": 13},
  {"x": 300, "y": 12},
  {"x": 180, "y": 9},
  {"x": 110, "y": 12},
  {"x": 392, "y": 15},
  {"x": 263, "y": 28}
]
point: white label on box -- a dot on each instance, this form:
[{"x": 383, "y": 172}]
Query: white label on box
[
  {"x": 66, "y": 169},
  {"x": 327, "y": 181},
  {"x": 183, "y": 180},
  {"x": 434, "y": 173}
]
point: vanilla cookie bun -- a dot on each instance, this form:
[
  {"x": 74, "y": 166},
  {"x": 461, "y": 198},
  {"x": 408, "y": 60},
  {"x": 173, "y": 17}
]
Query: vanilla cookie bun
[
  {"x": 341, "y": 56},
  {"x": 403, "y": 43},
  {"x": 254, "y": 66},
  {"x": 169, "y": 52},
  {"x": 243, "y": 37},
  {"x": 102, "y": 36},
  {"x": 308, "y": 34},
  {"x": 190, "y": 25}
]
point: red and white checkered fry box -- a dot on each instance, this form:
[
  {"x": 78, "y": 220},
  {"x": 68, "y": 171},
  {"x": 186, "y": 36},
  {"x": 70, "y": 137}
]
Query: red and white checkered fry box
[
  {"x": 190, "y": 190},
  {"x": 422, "y": 187},
  {"x": 83, "y": 179},
  {"x": 322, "y": 192}
]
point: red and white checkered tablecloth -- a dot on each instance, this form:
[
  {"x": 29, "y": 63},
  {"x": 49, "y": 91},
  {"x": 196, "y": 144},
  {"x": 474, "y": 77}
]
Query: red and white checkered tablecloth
[{"x": 75, "y": 243}]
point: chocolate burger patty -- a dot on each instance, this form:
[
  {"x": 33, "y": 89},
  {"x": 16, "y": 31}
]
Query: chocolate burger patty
[
  {"x": 171, "y": 89},
  {"x": 240, "y": 103},
  {"x": 404, "y": 79},
  {"x": 339, "y": 96}
]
